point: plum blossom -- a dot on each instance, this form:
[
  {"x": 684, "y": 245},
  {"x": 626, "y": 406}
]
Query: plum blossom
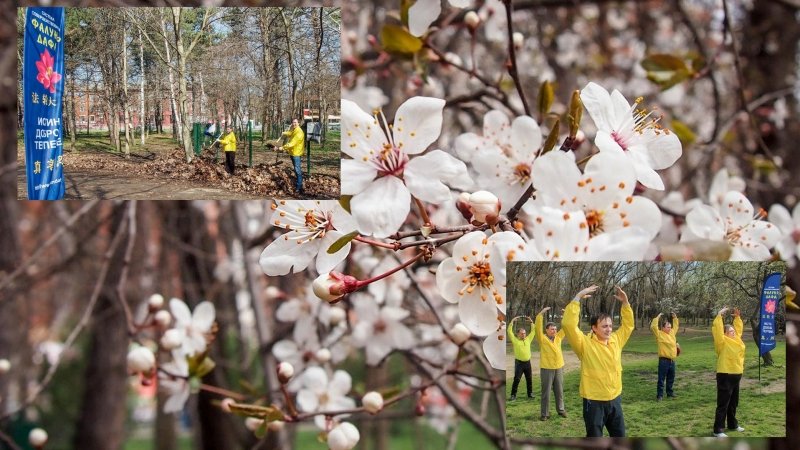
[
  {"x": 789, "y": 225},
  {"x": 735, "y": 223},
  {"x": 629, "y": 130},
  {"x": 379, "y": 329},
  {"x": 313, "y": 226},
  {"x": 604, "y": 192},
  {"x": 475, "y": 277},
  {"x": 320, "y": 393},
  {"x": 192, "y": 327},
  {"x": 382, "y": 176}
]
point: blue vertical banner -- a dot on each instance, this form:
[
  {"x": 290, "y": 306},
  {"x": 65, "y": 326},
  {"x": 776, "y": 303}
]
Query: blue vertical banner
[
  {"x": 770, "y": 297},
  {"x": 42, "y": 87}
]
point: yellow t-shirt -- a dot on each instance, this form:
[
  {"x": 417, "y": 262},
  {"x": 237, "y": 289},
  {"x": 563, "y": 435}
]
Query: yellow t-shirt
[
  {"x": 229, "y": 142},
  {"x": 730, "y": 351},
  {"x": 296, "y": 140},
  {"x": 522, "y": 348},
  {"x": 601, "y": 363},
  {"x": 667, "y": 342},
  {"x": 551, "y": 357}
]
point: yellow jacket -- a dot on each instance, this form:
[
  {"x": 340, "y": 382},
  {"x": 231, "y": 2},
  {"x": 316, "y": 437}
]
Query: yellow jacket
[
  {"x": 667, "y": 342},
  {"x": 296, "y": 140},
  {"x": 601, "y": 364},
  {"x": 551, "y": 357},
  {"x": 228, "y": 142},
  {"x": 522, "y": 348},
  {"x": 730, "y": 351}
]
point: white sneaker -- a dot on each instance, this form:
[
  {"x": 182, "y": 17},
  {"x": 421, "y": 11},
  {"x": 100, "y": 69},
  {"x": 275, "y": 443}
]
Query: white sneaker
[
  {"x": 720, "y": 435},
  {"x": 739, "y": 429}
]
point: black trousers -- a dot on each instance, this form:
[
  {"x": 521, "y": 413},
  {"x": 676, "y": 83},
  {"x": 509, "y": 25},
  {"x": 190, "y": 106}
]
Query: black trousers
[
  {"x": 598, "y": 414},
  {"x": 727, "y": 401},
  {"x": 520, "y": 368},
  {"x": 230, "y": 165}
]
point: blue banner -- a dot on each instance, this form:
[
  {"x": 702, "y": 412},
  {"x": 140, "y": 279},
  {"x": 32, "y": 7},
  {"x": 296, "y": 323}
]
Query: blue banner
[
  {"x": 42, "y": 87},
  {"x": 770, "y": 298}
]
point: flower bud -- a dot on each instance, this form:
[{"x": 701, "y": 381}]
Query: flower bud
[
  {"x": 336, "y": 316},
  {"x": 275, "y": 425},
  {"x": 462, "y": 204},
  {"x": 155, "y": 302},
  {"x": 460, "y": 334},
  {"x": 485, "y": 207},
  {"x": 419, "y": 410},
  {"x": 285, "y": 372},
  {"x": 471, "y": 20},
  {"x": 172, "y": 339},
  {"x": 272, "y": 292},
  {"x": 518, "y": 39},
  {"x": 372, "y": 402},
  {"x": 323, "y": 355},
  {"x": 141, "y": 359},
  {"x": 332, "y": 286},
  {"x": 252, "y": 424},
  {"x": 344, "y": 436},
  {"x": 5, "y": 366},
  {"x": 226, "y": 403},
  {"x": 163, "y": 318},
  {"x": 37, "y": 437}
]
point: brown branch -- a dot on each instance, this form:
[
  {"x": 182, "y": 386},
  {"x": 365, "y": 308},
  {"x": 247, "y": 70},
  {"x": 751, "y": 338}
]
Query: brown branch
[
  {"x": 512, "y": 54},
  {"x": 123, "y": 278}
]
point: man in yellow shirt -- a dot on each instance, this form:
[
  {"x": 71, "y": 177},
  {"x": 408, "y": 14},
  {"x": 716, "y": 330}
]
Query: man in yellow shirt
[
  {"x": 522, "y": 357},
  {"x": 229, "y": 146},
  {"x": 294, "y": 146},
  {"x": 600, "y": 353},
  {"x": 666, "y": 339},
  {"x": 730, "y": 365},
  {"x": 551, "y": 364}
]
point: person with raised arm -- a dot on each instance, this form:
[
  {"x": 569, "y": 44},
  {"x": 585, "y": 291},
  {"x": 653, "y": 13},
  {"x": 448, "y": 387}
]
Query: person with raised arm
[
  {"x": 600, "y": 353},
  {"x": 666, "y": 339},
  {"x": 551, "y": 364},
  {"x": 730, "y": 365},
  {"x": 522, "y": 357}
]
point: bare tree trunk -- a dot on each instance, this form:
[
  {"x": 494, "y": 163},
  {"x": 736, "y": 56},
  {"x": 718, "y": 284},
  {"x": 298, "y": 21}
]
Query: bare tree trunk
[
  {"x": 141, "y": 88},
  {"x": 290, "y": 59},
  {"x": 125, "y": 107},
  {"x": 176, "y": 119}
]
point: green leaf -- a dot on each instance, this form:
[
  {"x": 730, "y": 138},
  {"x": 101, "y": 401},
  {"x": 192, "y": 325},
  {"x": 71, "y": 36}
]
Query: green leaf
[
  {"x": 389, "y": 392},
  {"x": 396, "y": 39},
  {"x": 205, "y": 366},
  {"x": 274, "y": 415},
  {"x": 344, "y": 200},
  {"x": 546, "y": 96},
  {"x": 341, "y": 242},
  {"x": 666, "y": 80},
  {"x": 551, "y": 138},
  {"x": 663, "y": 62},
  {"x": 575, "y": 112},
  {"x": 684, "y": 133},
  {"x": 261, "y": 431},
  {"x": 404, "y": 7},
  {"x": 247, "y": 410}
]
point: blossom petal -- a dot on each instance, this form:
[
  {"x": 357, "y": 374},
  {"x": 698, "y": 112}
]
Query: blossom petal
[
  {"x": 422, "y": 14},
  {"x": 606, "y": 143},
  {"x": 424, "y": 176},
  {"x": 417, "y": 124},
  {"x": 468, "y": 145},
  {"x": 285, "y": 350},
  {"x": 494, "y": 347},
  {"x": 356, "y": 176},
  {"x": 382, "y": 208},
  {"x": 598, "y": 102},
  {"x": 736, "y": 209},
  {"x": 181, "y": 312},
  {"x": 307, "y": 401},
  {"x": 480, "y": 316},
  {"x": 627, "y": 244},
  {"x": 341, "y": 383},
  {"x": 555, "y": 176},
  {"x": 526, "y": 138},
  {"x": 705, "y": 223},
  {"x": 203, "y": 317},
  {"x": 779, "y": 215},
  {"x": 496, "y": 128},
  {"x": 448, "y": 280},
  {"x": 361, "y": 133},
  {"x": 327, "y": 261},
  {"x": 621, "y": 108},
  {"x": 285, "y": 254}
]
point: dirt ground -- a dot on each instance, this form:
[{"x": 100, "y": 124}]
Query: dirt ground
[{"x": 159, "y": 171}]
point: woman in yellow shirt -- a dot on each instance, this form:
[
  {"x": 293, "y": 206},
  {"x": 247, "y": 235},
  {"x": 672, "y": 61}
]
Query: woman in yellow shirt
[
  {"x": 551, "y": 363},
  {"x": 730, "y": 365},
  {"x": 522, "y": 357},
  {"x": 600, "y": 353}
]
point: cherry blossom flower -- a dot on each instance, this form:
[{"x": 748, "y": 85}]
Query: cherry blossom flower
[
  {"x": 423, "y": 12},
  {"x": 382, "y": 176},
  {"x": 604, "y": 192},
  {"x": 379, "y": 329},
  {"x": 629, "y": 130},
  {"x": 721, "y": 184},
  {"x": 320, "y": 393},
  {"x": 193, "y": 327},
  {"x": 475, "y": 277},
  {"x": 313, "y": 226},
  {"x": 735, "y": 223},
  {"x": 46, "y": 75},
  {"x": 560, "y": 235},
  {"x": 789, "y": 225}
]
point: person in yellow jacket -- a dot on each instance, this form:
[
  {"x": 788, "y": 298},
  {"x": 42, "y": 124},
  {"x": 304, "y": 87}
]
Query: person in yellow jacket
[
  {"x": 228, "y": 143},
  {"x": 730, "y": 365},
  {"x": 295, "y": 146},
  {"x": 551, "y": 364},
  {"x": 666, "y": 339},
  {"x": 600, "y": 353},
  {"x": 522, "y": 357}
]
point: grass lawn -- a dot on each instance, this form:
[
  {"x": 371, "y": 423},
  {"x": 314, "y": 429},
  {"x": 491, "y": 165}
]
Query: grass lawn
[{"x": 762, "y": 409}]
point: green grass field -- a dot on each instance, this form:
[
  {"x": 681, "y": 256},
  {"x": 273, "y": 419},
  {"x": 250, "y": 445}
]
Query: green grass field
[{"x": 762, "y": 409}]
